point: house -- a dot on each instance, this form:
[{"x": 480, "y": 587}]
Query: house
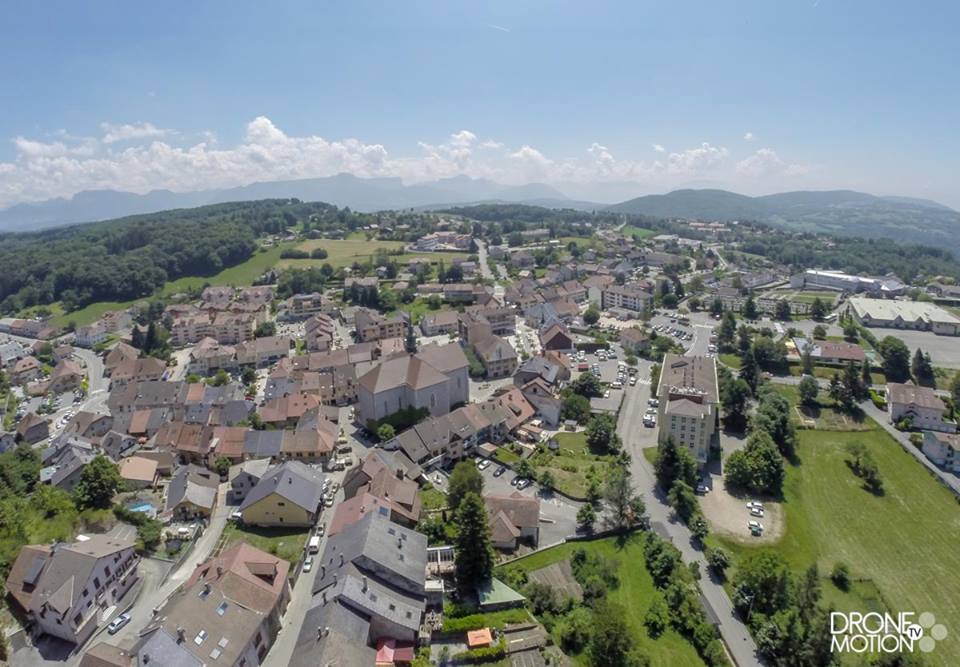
[
  {"x": 595, "y": 285},
  {"x": 828, "y": 352},
  {"x": 234, "y": 601},
  {"x": 63, "y": 589},
  {"x": 90, "y": 335},
  {"x": 943, "y": 449},
  {"x": 64, "y": 463},
  {"x": 377, "y": 570},
  {"x": 541, "y": 396},
  {"x": 371, "y": 325},
  {"x": 443, "y": 322},
  {"x": 435, "y": 378},
  {"x": 513, "y": 518},
  {"x": 304, "y": 305},
  {"x": 447, "y": 438},
  {"x": 286, "y": 411},
  {"x": 689, "y": 403},
  {"x": 375, "y": 462},
  {"x": 288, "y": 495},
  {"x": 26, "y": 370},
  {"x": 319, "y": 332},
  {"x": 314, "y": 438},
  {"x": 89, "y": 425},
  {"x": 264, "y": 351},
  {"x": 497, "y": 355},
  {"x": 33, "y": 428},
  {"x": 138, "y": 472},
  {"x": 120, "y": 353},
  {"x": 553, "y": 373},
  {"x": 192, "y": 493},
  {"x": 10, "y": 353},
  {"x": 919, "y": 405},
  {"x": 387, "y": 490},
  {"x": 243, "y": 477},
  {"x": 557, "y": 338},
  {"x": 137, "y": 370},
  {"x": 635, "y": 340}
]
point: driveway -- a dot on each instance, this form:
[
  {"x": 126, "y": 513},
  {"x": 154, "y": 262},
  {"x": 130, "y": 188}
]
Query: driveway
[{"x": 635, "y": 438}]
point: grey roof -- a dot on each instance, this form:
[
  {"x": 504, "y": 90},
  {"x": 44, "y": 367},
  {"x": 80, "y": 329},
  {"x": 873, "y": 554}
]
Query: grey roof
[
  {"x": 294, "y": 481},
  {"x": 194, "y": 484},
  {"x": 263, "y": 443},
  {"x": 368, "y": 595},
  {"x": 541, "y": 367},
  {"x": 345, "y": 643},
  {"x": 160, "y": 648},
  {"x": 254, "y": 467},
  {"x": 66, "y": 572},
  {"x": 379, "y": 549}
]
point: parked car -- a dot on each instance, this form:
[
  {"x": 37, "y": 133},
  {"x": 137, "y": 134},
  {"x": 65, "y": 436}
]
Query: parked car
[
  {"x": 308, "y": 563},
  {"x": 523, "y": 483},
  {"x": 117, "y": 624},
  {"x": 499, "y": 471},
  {"x": 484, "y": 464},
  {"x": 756, "y": 528},
  {"x": 653, "y": 402},
  {"x": 754, "y": 504},
  {"x": 756, "y": 511}
]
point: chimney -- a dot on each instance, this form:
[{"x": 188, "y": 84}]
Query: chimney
[
  {"x": 400, "y": 473},
  {"x": 146, "y": 658},
  {"x": 322, "y": 631},
  {"x": 181, "y": 634},
  {"x": 364, "y": 583}
]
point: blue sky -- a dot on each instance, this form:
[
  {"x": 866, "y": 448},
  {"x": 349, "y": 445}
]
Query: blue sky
[{"x": 602, "y": 99}]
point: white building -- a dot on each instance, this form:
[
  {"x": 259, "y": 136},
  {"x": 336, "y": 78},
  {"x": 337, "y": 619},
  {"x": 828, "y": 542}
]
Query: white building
[
  {"x": 689, "y": 397},
  {"x": 920, "y": 405}
]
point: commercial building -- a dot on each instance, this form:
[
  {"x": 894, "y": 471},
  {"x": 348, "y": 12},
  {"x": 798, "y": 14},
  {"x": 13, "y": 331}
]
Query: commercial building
[{"x": 889, "y": 314}]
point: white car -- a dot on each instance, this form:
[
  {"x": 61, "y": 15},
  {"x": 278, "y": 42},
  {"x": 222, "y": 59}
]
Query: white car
[
  {"x": 483, "y": 465},
  {"x": 757, "y": 511},
  {"x": 754, "y": 504},
  {"x": 117, "y": 624},
  {"x": 755, "y": 527},
  {"x": 308, "y": 563},
  {"x": 606, "y": 394}
]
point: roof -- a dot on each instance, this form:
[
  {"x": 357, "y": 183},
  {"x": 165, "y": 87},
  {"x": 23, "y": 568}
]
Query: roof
[
  {"x": 335, "y": 635},
  {"x": 478, "y": 638},
  {"x": 399, "y": 371},
  {"x": 25, "y": 570},
  {"x": 65, "y": 573},
  {"x": 193, "y": 485},
  {"x": 911, "y": 394},
  {"x": 911, "y": 311},
  {"x": 689, "y": 373},
  {"x": 106, "y": 655},
  {"x": 495, "y": 592},
  {"x": 376, "y": 545},
  {"x": 296, "y": 482},
  {"x": 510, "y": 514},
  {"x": 137, "y": 468},
  {"x": 224, "y": 603}
]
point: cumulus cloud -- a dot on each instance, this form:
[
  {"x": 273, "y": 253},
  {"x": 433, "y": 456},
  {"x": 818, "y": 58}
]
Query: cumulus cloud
[
  {"x": 765, "y": 163},
  {"x": 748, "y": 136},
  {"x": 696, "y": 161},
  {"x": 113, "y": 133},
  {"x": 140, "y": 157}
]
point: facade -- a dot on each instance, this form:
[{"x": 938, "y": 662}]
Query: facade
[
  {"x": 513, "y": 519},
  {"x": 64, "y": 588},
  {"x": 920, "y": 405},
  {"x": 371, "y": 326},
  {"x": 689, "y": 399},
  {"x": 288, "y": 495},
  {"x": 631, "y": 296},
  {"x": 943, "y": 449}
]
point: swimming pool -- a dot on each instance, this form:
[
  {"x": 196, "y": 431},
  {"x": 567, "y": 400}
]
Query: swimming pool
[{"x": 140, "y": 507}]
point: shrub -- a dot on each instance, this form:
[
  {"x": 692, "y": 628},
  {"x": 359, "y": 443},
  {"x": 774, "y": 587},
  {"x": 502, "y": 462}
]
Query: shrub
[
  {"x": 840, "y": 575},
  {"x": 487, "y": 654}
]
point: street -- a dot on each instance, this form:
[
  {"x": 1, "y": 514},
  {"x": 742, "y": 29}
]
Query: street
[{"x": 635, "y": 438}]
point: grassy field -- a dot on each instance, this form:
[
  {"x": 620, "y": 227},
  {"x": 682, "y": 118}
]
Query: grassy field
[
  {"x": 346, "y": 252},
  {"x": 731, "y": 360},
  {"x": 805, "y": 296},
  {"x": 902, "y": 545},
  {"x": 634, "y": 593},
  {"x": 432, "y": 498},
  {"x": 89, "y": 314},
  {"x": 826, "y": 372},
  {"x": 240, "y": 275},
  {"x": 570, "y": 465},
  {"x": 284, "y": 543},
  {"x": 642, "y": 232}
]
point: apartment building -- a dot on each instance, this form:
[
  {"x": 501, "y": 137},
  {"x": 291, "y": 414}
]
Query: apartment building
[{"x": 689, "y": 399}]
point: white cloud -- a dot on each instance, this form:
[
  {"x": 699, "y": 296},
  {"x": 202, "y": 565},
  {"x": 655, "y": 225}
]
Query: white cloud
[
  {"x": 137, "y": 159},
  {"x": 125, "y": 132},
  {"x": 696, "y": 161},
  {"x": 748, "y": 136},
  {"x": 765, "y": 163}
]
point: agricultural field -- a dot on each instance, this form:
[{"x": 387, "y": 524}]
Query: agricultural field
[
  {"x": 642, "y": 232},
  {"x": 896, "y": 543},
  {"x": 634, "y": 593},
  {"x": 346, "y": 252}
]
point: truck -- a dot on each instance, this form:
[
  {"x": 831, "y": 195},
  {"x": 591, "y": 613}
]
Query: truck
[{"x": 313, "y": 546}]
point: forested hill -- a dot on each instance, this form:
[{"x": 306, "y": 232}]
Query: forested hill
[
  {"x": 837, "y": 212},
  {"x": 131, "y": 257}
]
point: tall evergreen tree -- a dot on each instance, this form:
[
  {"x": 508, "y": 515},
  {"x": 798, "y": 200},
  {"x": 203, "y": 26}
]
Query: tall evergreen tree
[{"x": 473, "y": 555}]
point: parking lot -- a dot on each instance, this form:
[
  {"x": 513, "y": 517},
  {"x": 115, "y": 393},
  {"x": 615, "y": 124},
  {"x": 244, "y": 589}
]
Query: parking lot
[{"x": 942, "y": 349}]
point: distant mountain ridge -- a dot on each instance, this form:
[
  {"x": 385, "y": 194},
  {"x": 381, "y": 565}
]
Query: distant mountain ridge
[
  {"x": 361, "y": 194},
  {"x": 839, "y": 212}
]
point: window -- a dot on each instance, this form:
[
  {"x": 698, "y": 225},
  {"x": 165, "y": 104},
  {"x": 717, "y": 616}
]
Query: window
[
  {"x": 77, "y": 619},
  {"x": 281, "y": 504},
  {"x": 96, "y": 583}
]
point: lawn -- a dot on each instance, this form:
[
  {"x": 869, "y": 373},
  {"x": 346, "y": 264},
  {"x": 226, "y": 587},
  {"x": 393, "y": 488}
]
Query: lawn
[
  {"x": 417, "y": 308},
  {"x": 240, "y": 275},
  {"x": 570, "y": 465},
  {"x": 904, "y": 544},
  {"x": 88, "y": 314},
  {"x": 432, "y": 498},
  {"x": 731, "y": 360},
  {"x": 284, "y": 543},
  {"x": 634, "y": 593},
  {"x": 346, "y": 252}
]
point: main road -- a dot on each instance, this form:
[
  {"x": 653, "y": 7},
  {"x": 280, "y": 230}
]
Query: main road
[{"x": 635, "y": 439}]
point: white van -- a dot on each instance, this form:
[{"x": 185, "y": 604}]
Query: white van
[{"x": 313, "y": 546}]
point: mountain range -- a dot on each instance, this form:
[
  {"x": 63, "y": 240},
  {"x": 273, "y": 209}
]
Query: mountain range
[{"x": 840, "y": 212}]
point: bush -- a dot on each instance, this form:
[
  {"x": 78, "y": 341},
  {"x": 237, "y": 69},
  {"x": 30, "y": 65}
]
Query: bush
[
  {"x": 840, "y": 576},
  {"x": 658, "y": 617},
  {"x": 488, "y": 654},
  {"x": 573, "y": 630}
]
